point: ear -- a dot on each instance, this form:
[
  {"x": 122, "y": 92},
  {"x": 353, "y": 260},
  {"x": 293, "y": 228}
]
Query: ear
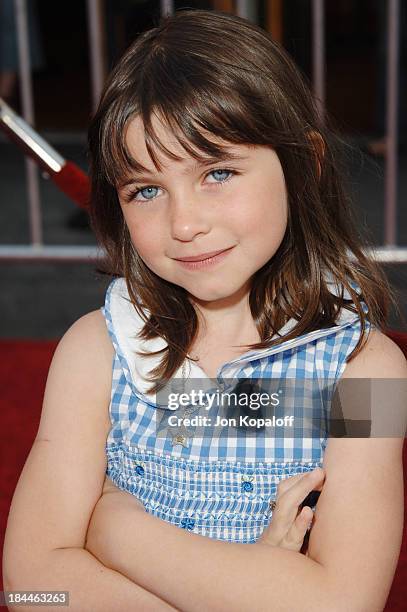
[{"x": 319, "y": 147}]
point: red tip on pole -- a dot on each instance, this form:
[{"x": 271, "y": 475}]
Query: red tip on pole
[{"x": 74, "y": 183}]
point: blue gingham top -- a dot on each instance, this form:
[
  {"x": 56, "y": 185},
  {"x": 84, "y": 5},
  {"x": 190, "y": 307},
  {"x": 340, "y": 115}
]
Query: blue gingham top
[{"x": 216, "y": 486}]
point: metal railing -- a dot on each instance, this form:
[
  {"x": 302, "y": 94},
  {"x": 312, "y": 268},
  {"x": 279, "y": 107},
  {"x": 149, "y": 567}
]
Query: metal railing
[{"x": 37, "y": 251}]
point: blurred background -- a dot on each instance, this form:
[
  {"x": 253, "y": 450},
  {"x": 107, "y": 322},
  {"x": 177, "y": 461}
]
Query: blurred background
[
  {"x": 343, "y": 47},
  {"x": 54, "y": 58}
]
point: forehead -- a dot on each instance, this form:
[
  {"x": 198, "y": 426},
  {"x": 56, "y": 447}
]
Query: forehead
[{"x": 136, "y": 143}]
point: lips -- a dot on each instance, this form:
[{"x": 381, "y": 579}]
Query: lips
[{"x": 202, "y": 255}]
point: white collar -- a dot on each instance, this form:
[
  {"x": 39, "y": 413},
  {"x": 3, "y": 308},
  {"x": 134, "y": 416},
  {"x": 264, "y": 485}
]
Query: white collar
[{"x": 126, "y": 323}]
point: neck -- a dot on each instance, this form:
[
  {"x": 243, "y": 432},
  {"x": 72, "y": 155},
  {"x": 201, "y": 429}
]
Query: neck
[{"x": 228, "y": 319}]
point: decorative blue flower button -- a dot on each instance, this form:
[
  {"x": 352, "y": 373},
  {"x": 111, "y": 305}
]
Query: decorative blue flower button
[
  {"x": 139, "y": 469},
  {"x": 246, "y": 483},
  {"x": 187, "y": 523}
]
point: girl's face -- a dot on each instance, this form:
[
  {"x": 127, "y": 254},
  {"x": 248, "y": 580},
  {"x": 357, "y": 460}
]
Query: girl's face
[{"x": 190, "y": 209}]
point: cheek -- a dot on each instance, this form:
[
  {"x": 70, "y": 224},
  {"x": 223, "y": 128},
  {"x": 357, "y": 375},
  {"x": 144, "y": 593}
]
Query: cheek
[
  {"x": 143, "y": 240},
  {"x": 264, "y": 214},
  {"x": 148, "y": 249}
]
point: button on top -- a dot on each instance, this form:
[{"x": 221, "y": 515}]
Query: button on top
[{"x": 180, "y": 439}]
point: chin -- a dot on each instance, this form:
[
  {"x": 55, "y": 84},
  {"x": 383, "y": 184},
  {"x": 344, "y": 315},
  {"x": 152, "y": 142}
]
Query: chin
[{"x": 206, "y": 294}]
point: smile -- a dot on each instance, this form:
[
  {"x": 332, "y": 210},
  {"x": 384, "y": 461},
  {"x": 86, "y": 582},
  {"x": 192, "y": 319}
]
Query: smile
[{"x": 204, "y": 263}]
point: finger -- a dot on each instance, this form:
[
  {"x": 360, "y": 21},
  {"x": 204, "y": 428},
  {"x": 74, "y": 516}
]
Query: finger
[
  {"x": 305, "y": 517},
  {"x": 295, "y": 536},
  {"x": 276, "y": 534},
  {"x": 320, "y": 486},
  {"x": 298, "y": 492},
  {"x": 286, "y": 484},
  {"x": 313, "y": 480},
  {"x": 288, "y": 502}
]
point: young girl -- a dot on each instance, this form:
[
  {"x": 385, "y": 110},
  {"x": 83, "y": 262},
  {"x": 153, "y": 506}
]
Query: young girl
[{"x": 217, "y": 197}]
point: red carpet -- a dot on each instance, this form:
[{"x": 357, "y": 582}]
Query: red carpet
[{"x": 23, "y": 373}]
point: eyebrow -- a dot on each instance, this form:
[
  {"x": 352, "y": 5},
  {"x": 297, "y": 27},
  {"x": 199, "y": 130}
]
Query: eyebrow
[{"x": 208, "y": 161}]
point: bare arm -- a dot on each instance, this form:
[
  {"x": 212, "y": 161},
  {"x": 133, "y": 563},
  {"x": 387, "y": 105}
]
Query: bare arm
[
  {"x": 194, "y": 572},
  {"x": 91, "y": 585},
  {"x": 61, "y": 483}
]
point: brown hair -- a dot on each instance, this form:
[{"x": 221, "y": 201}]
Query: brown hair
[{"x": 208, "y": 71}]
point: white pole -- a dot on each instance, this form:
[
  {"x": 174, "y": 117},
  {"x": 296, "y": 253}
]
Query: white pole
[
  {"x": 247, "y": 9},
  {"x": 26, "y": 91},
  {"x": 96, "y": 48},
  {"x": 318, "y": 54},
  {"x": 390, "y": 206},
  {"x": 166, "y": 7}
]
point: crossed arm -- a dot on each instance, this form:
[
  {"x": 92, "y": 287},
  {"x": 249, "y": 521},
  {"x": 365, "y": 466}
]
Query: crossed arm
[
  {"x": 353, "y": 547},
  {"x": 193, "y": 572}
]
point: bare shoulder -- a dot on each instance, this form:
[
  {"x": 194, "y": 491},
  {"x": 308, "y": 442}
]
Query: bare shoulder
[
  {"x": 81, "y": 366},
  {"x": 380, "y": 357},
  {"x": 373, "y": 389},
  {"x": 89, "y": 339},
  {"x": 93, "y": 326}
]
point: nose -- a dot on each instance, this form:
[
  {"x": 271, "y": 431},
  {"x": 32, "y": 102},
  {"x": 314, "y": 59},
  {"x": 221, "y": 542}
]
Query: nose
[{"x": 188, "y": 218}]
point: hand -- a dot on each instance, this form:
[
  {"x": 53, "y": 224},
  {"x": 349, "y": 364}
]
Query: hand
[{"x": 288, "y": 526}]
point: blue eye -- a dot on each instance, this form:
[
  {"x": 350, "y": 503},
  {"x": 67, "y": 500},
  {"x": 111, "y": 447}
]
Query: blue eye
[
  {"x": 149, "y": 188},
  {"x": 146, "y": 189},
  {"x": 221, "y": 171}
]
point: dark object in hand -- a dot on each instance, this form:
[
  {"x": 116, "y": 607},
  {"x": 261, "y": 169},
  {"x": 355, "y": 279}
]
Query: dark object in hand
[{"x": 311, "y": 501}]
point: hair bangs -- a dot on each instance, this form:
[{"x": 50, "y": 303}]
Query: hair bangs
[
  {"x": 116, "y": 162},
  {"x": 204, "y": 119},
  {"x": 190, "y": 131}
]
